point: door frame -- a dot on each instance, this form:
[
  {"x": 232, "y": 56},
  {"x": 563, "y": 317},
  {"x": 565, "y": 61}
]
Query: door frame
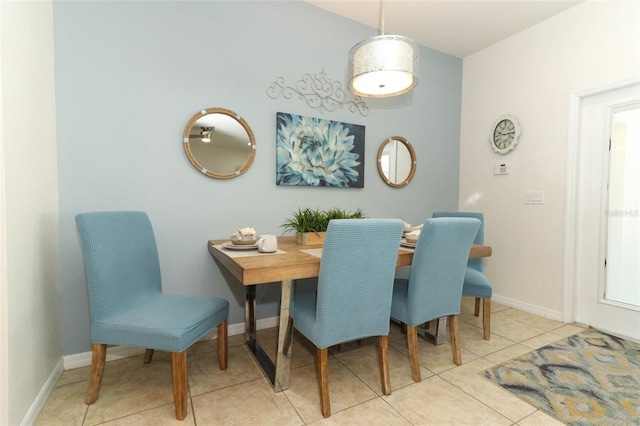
[
  {"x": 4, "y": 286},
  {"x": 570, "y": 283}
]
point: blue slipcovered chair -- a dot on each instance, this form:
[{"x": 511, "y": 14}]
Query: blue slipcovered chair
[
  {"x": 126, "y": 303},
  {"x": 434, "y": 287},
  {"x": 476, "y": 283},
  {"x": 353, "y": 299}
]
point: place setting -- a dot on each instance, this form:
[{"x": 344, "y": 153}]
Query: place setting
[
  {"x": 246, "y": 242},
  {"x": 410, "y": 235},
  {"x": 242, "y": 239}
]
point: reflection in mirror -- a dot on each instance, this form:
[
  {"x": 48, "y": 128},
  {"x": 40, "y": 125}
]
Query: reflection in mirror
[
  {"x": 396, "y": 161},
  {"x": 219, "y": 143}
]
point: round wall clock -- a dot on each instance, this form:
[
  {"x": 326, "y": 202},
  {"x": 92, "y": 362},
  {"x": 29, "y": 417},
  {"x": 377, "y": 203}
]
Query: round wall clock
[{"x": 505, "y": 134}]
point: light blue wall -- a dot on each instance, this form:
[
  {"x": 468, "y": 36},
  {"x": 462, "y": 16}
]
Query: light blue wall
[{"x": 129, "y": 75}]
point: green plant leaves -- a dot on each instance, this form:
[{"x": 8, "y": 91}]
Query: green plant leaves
[{"x": 316, "y": 220}]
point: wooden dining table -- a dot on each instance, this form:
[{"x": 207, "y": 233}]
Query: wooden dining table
[{"x": 289, "y": 263}]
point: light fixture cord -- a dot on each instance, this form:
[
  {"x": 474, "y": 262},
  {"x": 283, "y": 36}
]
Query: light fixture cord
[{"x": 381, "y": 21}]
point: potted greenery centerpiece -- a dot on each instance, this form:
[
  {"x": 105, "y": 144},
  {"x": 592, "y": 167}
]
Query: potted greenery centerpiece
[{"x": 311, "y": 224}]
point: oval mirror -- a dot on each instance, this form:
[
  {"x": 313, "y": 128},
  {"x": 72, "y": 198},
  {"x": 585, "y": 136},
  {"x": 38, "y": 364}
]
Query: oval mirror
[
  {"x": 396, "y": 161},
  {"x": 219, "y": 143}
]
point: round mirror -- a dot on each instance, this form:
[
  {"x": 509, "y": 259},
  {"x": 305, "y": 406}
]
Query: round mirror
[
  {"x": 396, "y": 161},
  {"x": 219, "y": 143}
]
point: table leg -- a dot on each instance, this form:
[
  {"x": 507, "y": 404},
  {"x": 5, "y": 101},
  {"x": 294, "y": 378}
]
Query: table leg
[
  {"x": 283, "y": 356},
  {"x": 435, "y": 330},
  {"x": 250, "y": 314},
  {"x": 278, "y": 372}
]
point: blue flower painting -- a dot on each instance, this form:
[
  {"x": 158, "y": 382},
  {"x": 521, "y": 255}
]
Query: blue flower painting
[{"x": 318, "y": 152}]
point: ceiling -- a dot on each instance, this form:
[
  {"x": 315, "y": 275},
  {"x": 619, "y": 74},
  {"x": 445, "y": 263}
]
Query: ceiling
[{"x": 457, "y": 27}]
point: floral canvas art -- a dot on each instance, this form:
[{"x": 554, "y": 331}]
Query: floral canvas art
[{"x": 318, "y": 152}]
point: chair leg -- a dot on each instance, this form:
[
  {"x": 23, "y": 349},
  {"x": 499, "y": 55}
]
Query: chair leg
[
  {"x": 414, "y": 357},
  {"x": 455, "y": 341},
  {"x": 223, "y": 354},
  {"x": 322, "y": 367},
  {"x": 148, "y": 356},
  {"x": 180, "y": 388},
  {"x": 486, "y": 318},
  {"x": 383, "y": 359},
  {"x": 98, "y": 358},
  {"x": 476, "y": 311}
]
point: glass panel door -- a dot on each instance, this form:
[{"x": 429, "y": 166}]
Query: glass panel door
[{"x": 622, "y": 277}]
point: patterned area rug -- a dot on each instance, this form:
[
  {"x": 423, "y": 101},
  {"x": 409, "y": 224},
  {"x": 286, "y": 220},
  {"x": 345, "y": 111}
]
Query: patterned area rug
[{"x": 590, "y": 378}]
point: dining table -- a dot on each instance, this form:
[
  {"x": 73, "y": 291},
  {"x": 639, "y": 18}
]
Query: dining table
[{"x": 288, "y": 263}]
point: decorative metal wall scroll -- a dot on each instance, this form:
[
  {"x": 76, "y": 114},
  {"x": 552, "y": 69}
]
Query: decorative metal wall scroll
[{"x": 319, "y": 92}]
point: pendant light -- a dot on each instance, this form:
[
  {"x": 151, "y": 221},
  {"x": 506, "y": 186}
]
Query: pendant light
[{"x": 383, "y": 66}]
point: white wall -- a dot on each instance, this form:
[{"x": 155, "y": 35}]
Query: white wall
[
  {"x": 531, "y": 76},
  {"x": 32, "y": 345}
]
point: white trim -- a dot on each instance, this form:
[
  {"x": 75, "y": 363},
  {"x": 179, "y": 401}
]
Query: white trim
[
  {"x": 527, "y": 307},
  {"x": 83, "y": 359},
  {"x": 41, "y": 400},
  {"x": 571, "y": 206},
  {"x": 569, "y": 288},
  {"x": 4, "y": 293}
]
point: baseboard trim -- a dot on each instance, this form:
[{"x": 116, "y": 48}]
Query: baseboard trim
[
  {"x": 83, "y": 359},
  {"x": 40, "y": 401},
  {"x": 527, "y": 307}
]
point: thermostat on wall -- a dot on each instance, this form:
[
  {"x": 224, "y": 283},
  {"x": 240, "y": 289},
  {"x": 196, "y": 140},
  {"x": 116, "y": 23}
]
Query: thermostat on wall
[{"x": 501, "y": 169}]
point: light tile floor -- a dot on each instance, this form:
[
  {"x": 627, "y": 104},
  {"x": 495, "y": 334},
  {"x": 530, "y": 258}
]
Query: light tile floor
[{"x": 133, "y": 393}]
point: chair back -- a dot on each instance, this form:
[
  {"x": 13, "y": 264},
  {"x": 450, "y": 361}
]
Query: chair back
[
  {"x": 120, "y": 259},
  {"x": 355, "y": 282},
  {"x": 438, "y": 268},
  {"x": 478, "y": 263}
]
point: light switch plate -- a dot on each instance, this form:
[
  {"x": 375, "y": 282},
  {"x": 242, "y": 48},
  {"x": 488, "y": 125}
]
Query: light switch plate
[
  {"x": 501, "y": 169},
  {"x": 533, "y": 197}
]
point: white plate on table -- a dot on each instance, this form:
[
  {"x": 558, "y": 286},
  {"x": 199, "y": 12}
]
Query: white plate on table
[
  {"x": 405, "y": 243},
  {"x": 232, "y": 246},
  {"x": 414, "y": 228}
]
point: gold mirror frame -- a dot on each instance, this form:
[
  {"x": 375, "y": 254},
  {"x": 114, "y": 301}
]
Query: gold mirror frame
[
  {"x": 410, "y": 165},
  {"x": 250, "y": 140}
]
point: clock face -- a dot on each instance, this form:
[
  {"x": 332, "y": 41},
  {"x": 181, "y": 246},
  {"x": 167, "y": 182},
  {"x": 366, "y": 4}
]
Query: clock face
[{"x": 504, "y": 136}]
